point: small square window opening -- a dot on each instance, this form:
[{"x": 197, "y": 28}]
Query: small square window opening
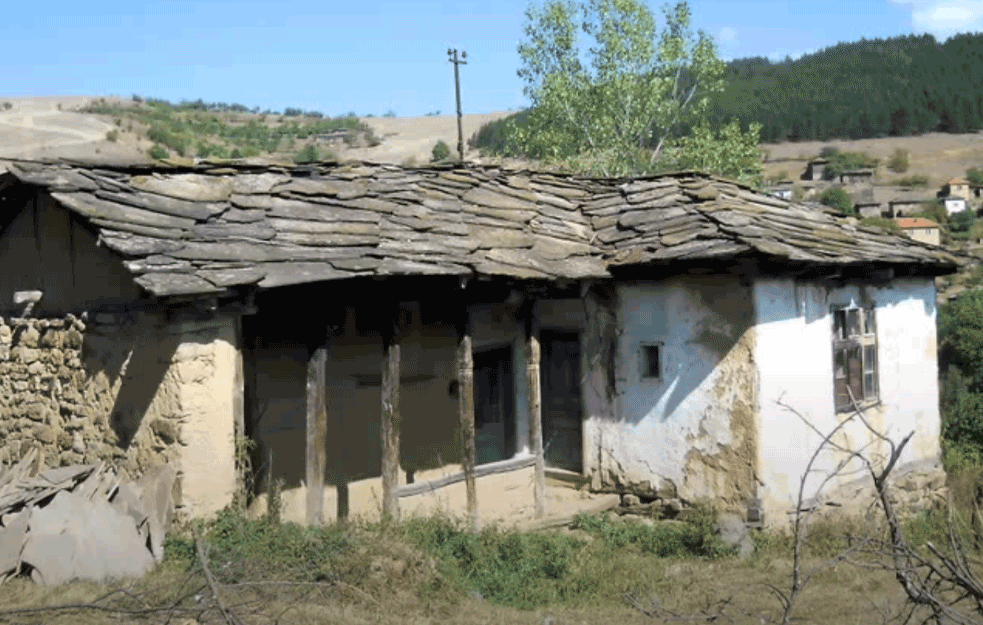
[{"x": 651, "y": 361}]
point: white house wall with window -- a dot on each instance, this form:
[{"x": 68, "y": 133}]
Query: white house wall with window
[{"x": 881, "y": 345}]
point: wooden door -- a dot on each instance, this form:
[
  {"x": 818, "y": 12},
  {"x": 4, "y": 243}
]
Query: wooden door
[{"x": 562, "y": 413}]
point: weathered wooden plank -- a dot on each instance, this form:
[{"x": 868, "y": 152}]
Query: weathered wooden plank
[
  {"x": 92, "y": 207},
  {"x": 391, "y": 419},
  {"x": 534, "y": 394},
  {"x": 465, "y": 413},
  {"x": 316, "y": 461},
  {"x": 198, "y": 211}
]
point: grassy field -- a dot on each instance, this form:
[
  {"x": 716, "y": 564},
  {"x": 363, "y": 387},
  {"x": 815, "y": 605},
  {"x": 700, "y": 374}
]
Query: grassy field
[{"x": 433, "y": 571}]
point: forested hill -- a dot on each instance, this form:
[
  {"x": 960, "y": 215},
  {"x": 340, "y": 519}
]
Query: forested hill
[{"x": 870, "y": 88}]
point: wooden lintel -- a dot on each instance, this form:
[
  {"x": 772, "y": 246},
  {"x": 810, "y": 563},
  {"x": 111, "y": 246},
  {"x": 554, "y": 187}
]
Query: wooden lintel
[
  {"x": 465, "y": 404},
  {"x": 390, "y": 427},
  {"x": 317, "y": 435},
  {"x": 535, "y": 413}
]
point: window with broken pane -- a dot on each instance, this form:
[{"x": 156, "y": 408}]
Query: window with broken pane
[{"x": 854, "y": 356}]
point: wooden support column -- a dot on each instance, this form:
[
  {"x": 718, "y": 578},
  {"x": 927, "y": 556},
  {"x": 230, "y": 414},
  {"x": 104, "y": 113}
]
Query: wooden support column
[
  {"x": 465, "y": 411},
  {"x": 239, "y": 414},
  {"x": 535, "y": 413},
  {"x": 317, "y": 435},
  {"x": 390, "y": 419}
]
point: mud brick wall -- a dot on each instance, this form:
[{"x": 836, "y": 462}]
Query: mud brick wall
[{"x": 128, "y": 389}]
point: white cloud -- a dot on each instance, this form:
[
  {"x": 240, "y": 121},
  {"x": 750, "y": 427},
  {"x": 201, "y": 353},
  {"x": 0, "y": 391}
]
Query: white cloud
[{"x": 944, "y": 18}]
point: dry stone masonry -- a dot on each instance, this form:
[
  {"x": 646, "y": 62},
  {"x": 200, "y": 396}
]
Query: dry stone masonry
[{"x": 116, "y": 388}]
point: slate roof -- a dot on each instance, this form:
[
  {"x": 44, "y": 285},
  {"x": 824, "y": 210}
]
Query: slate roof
[{"x": 202, "y": 229}]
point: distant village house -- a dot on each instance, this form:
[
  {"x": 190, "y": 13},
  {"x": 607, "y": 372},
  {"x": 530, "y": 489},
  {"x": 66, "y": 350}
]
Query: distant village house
[{"x": 920, "y": 229}]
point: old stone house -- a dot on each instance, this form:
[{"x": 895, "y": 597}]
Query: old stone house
[{"x": 369, "y": 324}]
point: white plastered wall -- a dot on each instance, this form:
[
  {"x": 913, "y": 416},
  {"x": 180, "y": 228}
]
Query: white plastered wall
[
  {"x": 689, "y": 433},
  {"x": 795, "y": 360}
]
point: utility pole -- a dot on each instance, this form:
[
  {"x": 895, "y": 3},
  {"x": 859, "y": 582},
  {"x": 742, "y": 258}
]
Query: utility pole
[{"x": 452, "y": 57}]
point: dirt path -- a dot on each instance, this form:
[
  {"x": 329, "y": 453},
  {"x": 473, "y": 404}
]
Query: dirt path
[{"x": 36, "y": 125}]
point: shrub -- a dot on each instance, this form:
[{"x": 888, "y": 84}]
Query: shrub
[
  {"x": 112, "y": 135},
  {"x": 523, "y": 570},
  {"x": 974, "y": 175},
  {"x": 390, "y": 113},
  {"x": 962, "y": 221},
  {"x": 7, "y": 106},
  {"x": 839, "y": 199},
  {"x": 695, "y": 537},
  {"x": 158, "y": 152},
  {"x": 881, "y": 222},
  {"x": 899, "y": 161},
  {"x": 914, "y": 180},
  {"x": 441, "y": 152},
  {"x": 307, "y": 155},
  {"x": 839, "y": 162}
]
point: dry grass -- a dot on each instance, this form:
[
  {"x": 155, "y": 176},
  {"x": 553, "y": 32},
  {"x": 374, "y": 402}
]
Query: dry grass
[{"x": 379, "y": 576}]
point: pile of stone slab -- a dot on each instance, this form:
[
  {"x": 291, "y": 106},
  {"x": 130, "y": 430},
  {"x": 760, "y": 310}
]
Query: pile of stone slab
[{"x": 81, "y": 522}]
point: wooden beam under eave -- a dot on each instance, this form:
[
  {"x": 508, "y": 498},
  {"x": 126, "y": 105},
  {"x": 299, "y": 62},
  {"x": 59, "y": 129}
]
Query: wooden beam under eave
[
  {"x": 391, "y": 421},
  {"x": 465, "y": 410},
  {"x": 317, "y": 435},
  {"x": 535, "y": 413}
]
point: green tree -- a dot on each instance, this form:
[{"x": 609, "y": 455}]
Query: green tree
[
  {"x": 838, "y": 198},
  {"x": 731, "y": 152},
  {"x": 974, "y": 175},
  {"x": 961, "y": 371},
  {"x": 899, "y": 161},
  {"x": 441, "y": 151},
  {"x": 158, "y": 152},
  {"x": 307, "y": 155},
  {"x": 638, "y": 87}
]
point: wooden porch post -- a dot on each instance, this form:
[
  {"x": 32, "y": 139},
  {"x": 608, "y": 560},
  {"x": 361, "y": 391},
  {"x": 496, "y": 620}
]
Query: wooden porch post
[
  {"x": 317, "y": 435},
  {"x": 465, "y": 409},
  {"x": 390, "y": 418},
  {"x": 535, "y": 414}
]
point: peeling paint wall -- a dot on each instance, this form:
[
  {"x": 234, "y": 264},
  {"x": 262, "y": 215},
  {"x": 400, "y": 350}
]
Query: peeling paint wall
[
  {"x": 795, "y": 359},
  {"x": 691, "y": 432}
]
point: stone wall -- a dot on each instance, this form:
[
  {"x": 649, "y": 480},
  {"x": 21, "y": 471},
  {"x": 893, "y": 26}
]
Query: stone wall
[{"x": 127, "y": 389}]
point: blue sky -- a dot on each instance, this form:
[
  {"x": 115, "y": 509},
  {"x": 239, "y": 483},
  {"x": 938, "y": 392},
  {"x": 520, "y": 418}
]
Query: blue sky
[{"x": 368, "y": 56}]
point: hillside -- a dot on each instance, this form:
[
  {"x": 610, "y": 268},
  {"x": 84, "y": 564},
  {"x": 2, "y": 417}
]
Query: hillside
[
  {"x": 869, "y": 88},
  {"x": 124, "y": 130}
]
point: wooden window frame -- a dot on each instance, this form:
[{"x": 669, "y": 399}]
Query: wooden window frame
[{"x": 855, "y": 356}]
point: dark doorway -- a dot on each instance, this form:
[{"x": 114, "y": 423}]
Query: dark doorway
[
  {"x": 494, "y": 405},
  {"x": 562, "y": 427}
]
